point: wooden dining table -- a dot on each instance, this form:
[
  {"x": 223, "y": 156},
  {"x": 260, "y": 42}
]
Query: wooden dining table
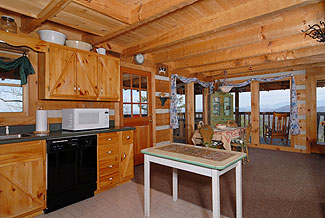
[{"x": 224, "y": 135}]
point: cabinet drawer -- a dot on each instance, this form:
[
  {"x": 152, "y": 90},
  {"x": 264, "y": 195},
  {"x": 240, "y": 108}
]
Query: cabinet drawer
[
  {"x": 109, "y": 165},
  {"x": 108, "y": 138},
  {"x": 127, "y": 137},
  {"x": 107, "y": 151},
  {"x": 109, "y": 180}
]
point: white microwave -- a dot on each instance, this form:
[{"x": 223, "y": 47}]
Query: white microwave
[{"x": 85, "y": 118}]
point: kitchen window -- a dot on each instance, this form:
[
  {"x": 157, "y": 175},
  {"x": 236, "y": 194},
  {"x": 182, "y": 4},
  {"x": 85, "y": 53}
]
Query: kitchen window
[{"x": 13, "y": 96}]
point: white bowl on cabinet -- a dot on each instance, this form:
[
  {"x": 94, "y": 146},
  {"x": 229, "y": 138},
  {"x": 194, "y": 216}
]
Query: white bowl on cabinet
[
  {"x": 52, "y": 36},
  {"x": 79, "y": 44}
]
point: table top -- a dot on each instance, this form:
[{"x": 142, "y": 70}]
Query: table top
[{"x": 201, "y": 156}]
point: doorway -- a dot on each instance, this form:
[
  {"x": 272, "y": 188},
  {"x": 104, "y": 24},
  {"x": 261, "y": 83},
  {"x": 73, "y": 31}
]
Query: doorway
[{"x": 136, "y": 108}]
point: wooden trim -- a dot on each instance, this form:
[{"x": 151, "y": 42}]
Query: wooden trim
[
  {"x": 255, "y": 114},
  {"x": 189, "y": 118},
  {"x": 205, "y": 105},
  {"x": 277, "y": 147}
]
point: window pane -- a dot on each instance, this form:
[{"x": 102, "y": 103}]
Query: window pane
[
  {"x": 127, "y": 110},
  {"x": 135, "y": 81},
  {"x": 127, "y": 95},
  {"x": 126, "y": 80},
  {"x": 11, "y": 99},
  {"x": 135, "y": 96},
  {"x": 144, "y": 84},
  {"x": 10, "y": 81},
  {"x": 136, "y": 110},
  {"x": 144, "y": 98},
  {"x": 144, "y": 110}
]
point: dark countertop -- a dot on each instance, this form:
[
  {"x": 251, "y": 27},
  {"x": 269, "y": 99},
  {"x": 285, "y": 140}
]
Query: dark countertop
[{"x": 64, "y": 134}]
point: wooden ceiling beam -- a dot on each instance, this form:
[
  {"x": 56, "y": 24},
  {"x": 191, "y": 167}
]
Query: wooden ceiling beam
[
  {"x": 51, "y": 9},
  {"x": 262, "y": 59},
  {"x": 112, "y": 8},
  {"x": 250, "y": 50},
  {"x": 268, "y": 66},
  {"x": 141, "y": 15},
  {"x": 249, "y": 11},
  {"x": 235, "y": 38}
]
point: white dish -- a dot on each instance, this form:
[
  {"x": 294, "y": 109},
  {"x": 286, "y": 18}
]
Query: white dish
[
  {"x": 79, "y": 44},
  {"x": 52, "y": 36},
  {"x": 221, "y": 127}
]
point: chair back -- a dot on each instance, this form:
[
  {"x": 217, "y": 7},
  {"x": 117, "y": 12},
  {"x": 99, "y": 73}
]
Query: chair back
[
  {"x": 206, "y": 133},
  {"x": 231, "y": 123},
  {"x": 248, "y": 132},
  {"x": 280, "y": 125}
]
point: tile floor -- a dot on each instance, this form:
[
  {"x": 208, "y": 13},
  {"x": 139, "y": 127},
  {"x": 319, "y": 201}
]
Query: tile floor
[{"x": 126, "y": 201}]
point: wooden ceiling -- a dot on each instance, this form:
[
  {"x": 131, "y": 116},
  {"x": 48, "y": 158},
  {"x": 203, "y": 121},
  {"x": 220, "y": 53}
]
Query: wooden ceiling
[{"x": 201, "y": 38}]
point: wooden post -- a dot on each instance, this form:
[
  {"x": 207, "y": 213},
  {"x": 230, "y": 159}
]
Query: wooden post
[
  {"x": 255, "y": 114},
  {"x": 237, "y": 118},
  {"x": 205, "y": 105},
  {"x": 189, "y": 117}
]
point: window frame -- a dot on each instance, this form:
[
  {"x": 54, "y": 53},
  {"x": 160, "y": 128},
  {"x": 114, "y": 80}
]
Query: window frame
[{"x": 24, "y": 113}]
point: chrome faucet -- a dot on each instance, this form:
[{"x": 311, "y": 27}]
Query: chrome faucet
[{"x": 7, "y": 130}]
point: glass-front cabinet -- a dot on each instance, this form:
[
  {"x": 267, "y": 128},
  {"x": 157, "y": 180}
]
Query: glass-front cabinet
[{"x": 221, "y": 108}]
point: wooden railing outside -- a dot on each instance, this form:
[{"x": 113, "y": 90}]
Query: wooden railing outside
[{"x": 266, "y": 118}]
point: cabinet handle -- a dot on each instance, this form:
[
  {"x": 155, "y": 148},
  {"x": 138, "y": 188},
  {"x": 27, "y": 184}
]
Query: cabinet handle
[
  {"x": 110, "y": 166},
  {"x": 110, "y": 179},
  {"x": 101, "y": 90},
  {"x": 124, "y": 156},
  {"x": 108, "y": 139},
  {"x": 74, "y": 89},
  {"x": 108, "y": 152},
  {"x": 128, "y": 137},
  {"x": 78, "y": 88}
]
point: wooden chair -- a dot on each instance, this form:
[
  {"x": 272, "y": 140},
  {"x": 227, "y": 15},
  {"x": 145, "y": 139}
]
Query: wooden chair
[
  {"x": 206, "y": 133},
  {"x": 280, "y": 127},
  {"x": 231, "y": 123},
  {"x": 243, "y": 145}
]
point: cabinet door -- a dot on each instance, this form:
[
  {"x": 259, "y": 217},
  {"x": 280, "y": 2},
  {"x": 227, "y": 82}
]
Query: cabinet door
[
  {"x": 126, "y": 156},
  {"x": 109, "y": 78},
  {"x": 22, "y": 178},
  {"x": 86, "y": 75},
  {"x": 62, "y": 78}
]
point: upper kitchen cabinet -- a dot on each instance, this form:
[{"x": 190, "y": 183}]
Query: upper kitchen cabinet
[
  {"x": 108, "y": 78},
  {"x": 73, "y": 74}
]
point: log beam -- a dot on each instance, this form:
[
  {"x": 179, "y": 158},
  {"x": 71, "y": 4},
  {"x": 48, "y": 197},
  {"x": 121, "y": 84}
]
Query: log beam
[
  {"x": 54, "y": 7},
  {"x": 267, "y": 30},
  {"x": 249, "y": 11},
  {"x": 250, "y": 50},
  {"x": 141, "y": 15}
]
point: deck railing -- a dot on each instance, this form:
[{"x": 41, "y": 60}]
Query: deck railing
[{"x": 266, "y": 118}]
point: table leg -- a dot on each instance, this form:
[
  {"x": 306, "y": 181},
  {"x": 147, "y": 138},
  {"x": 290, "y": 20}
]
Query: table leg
[
  {"x": 146, "y": 186},
  {"x": 239, "y": 203},
  {"x": 215, "y": 194},
  {"x": 175, "y": 185}
]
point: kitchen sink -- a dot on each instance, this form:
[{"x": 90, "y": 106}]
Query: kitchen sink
[{"x": 14, "y": 136}]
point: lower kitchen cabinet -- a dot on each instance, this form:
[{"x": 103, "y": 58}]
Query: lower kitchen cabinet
[
  {"x": 22, "y": 178},
  {"x": 115, "y": 159}
]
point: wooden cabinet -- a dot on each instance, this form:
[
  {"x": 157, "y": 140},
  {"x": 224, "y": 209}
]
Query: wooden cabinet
[
  {"x": 108, "y": 78},
  {"x": 22, "y": 178},
  {"x": 126, "y": 156},
  {"x": 221, "y": 108},
  {"x": 115, "y": 159},
  {"x": 73, "y": 74}
]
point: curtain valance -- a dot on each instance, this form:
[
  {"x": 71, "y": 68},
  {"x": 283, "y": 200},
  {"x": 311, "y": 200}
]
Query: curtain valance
[
  {"x": 294, "y": 121},
  {"x": 20, "y": 66},
  {"x": 173, "y": 96}
]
